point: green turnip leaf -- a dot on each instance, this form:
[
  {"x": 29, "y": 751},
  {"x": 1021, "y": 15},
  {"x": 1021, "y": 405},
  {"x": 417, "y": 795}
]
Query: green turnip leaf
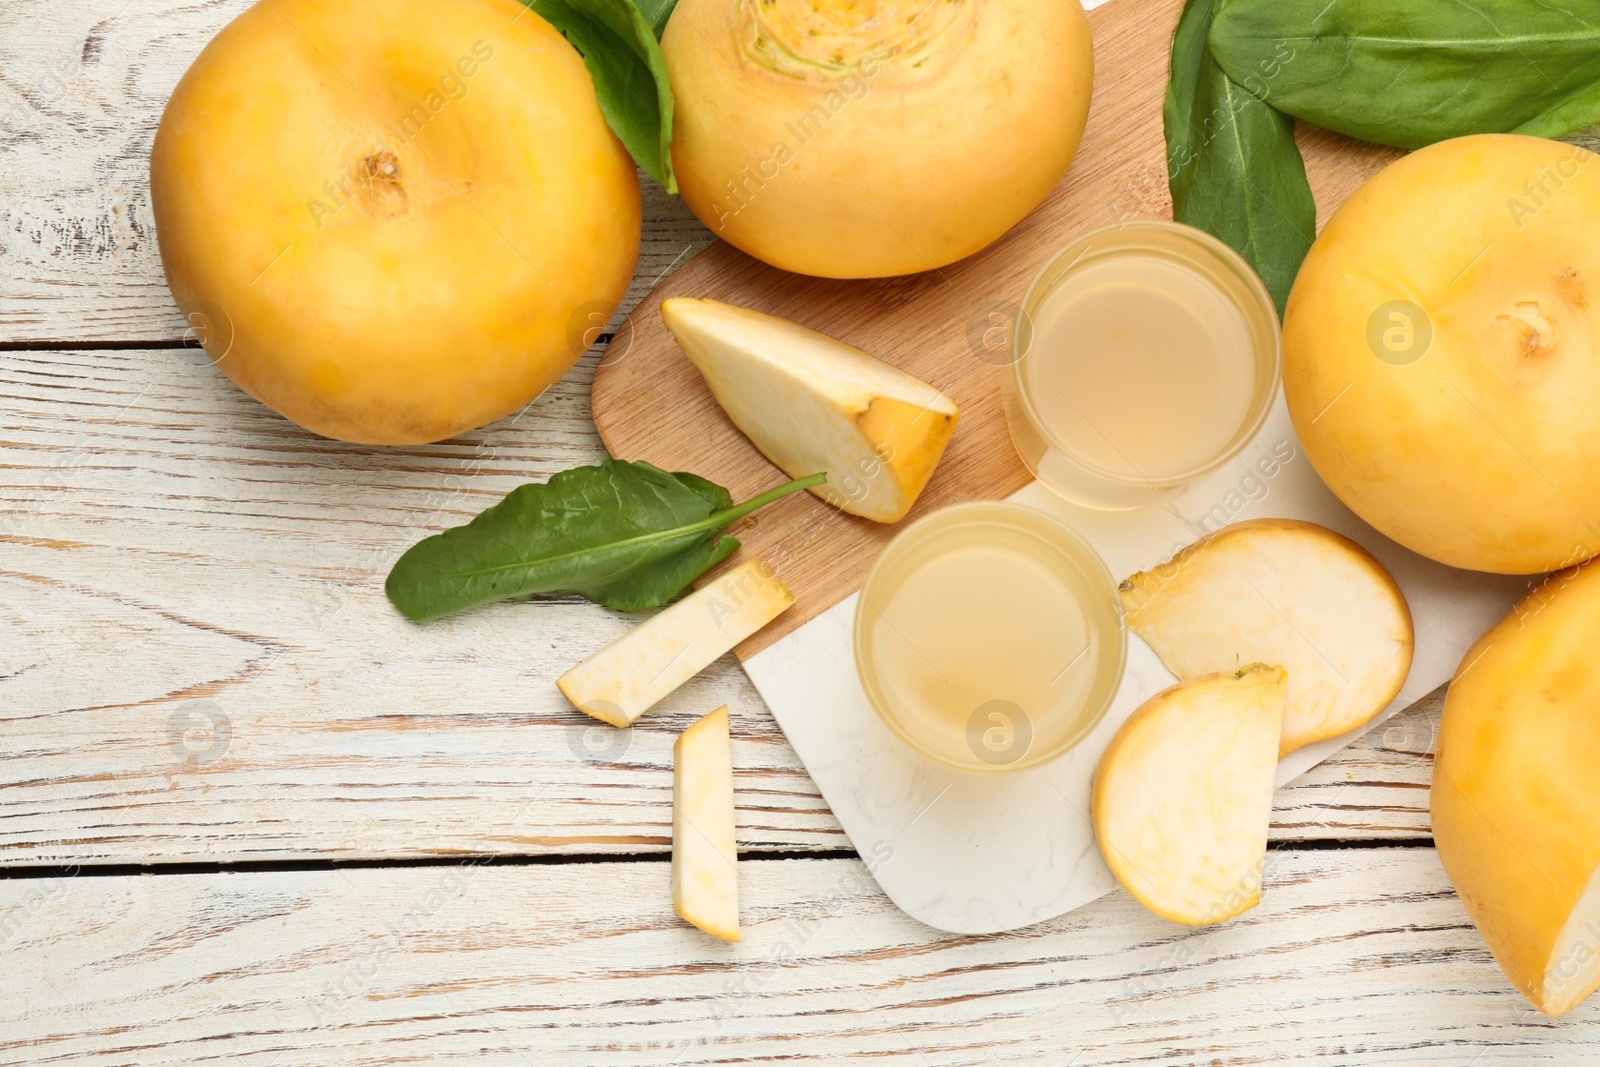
[
  {"x": 656, "y": 13},
  {"x": 1232, "y": 163},
  {"x": 627, "y": 535},
  {"x": 1410, "y": 74}
]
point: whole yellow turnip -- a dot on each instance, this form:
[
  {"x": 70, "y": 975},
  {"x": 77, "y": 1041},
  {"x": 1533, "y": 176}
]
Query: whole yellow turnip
[
  {"x": 868, "y": 138},
  {"x": 1442, "y": 353},
  {"x": 392, "y": 222}
]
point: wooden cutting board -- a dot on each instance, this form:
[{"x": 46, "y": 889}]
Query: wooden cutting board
[{"x": 650, "y": 402}]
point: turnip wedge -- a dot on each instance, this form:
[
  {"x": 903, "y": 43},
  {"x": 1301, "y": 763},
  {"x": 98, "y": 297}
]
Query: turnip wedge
[
  {"x": 809, "y": 402},
  {"x": 1183, "y": 795}
]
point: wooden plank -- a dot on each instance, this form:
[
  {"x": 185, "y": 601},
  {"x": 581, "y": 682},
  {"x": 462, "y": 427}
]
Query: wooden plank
[
  {"x": 1353, "y": 958},
  {"x": 168, "y": 547},
  {"x": 82, "y": 87}
]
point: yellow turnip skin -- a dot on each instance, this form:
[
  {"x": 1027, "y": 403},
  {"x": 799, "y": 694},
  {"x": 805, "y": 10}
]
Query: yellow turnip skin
[
  {"x": 1516, "y": 790},
  {"x": 870, "y": 138},
  {"x": 392, "y": 221},
  {"x": 1483, "y": 451}
]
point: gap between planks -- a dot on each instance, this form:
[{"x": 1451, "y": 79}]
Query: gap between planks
[{"x": 123, "y": 870}]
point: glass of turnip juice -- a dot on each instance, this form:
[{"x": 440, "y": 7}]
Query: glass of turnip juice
[
  {"x": 988, "y": 637},
  {"x": 1144, "y": 355}
]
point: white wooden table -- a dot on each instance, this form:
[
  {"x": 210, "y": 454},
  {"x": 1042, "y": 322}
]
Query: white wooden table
[{"x": 247, "y": 813}]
